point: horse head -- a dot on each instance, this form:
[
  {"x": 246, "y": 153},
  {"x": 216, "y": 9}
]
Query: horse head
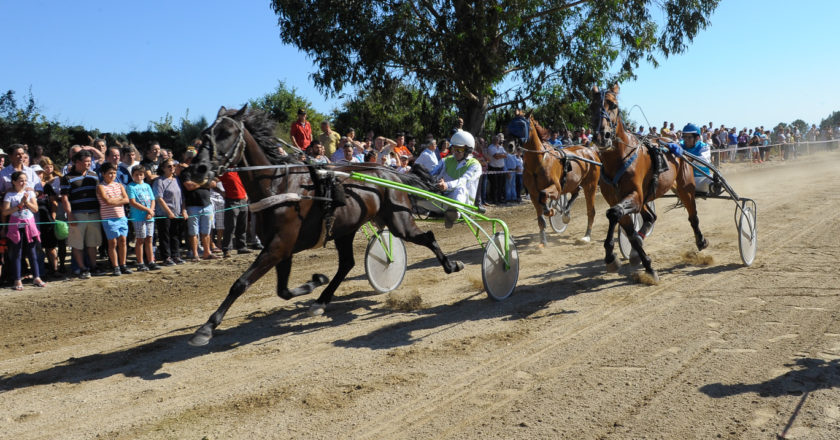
[
  {"x": 605, "y": 117},
  {"x": 222, "y": 146}
]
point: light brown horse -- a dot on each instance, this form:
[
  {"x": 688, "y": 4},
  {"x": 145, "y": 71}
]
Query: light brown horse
[
  {"x": 548, "y": 173},
  {"x": 628, "y": 178}
]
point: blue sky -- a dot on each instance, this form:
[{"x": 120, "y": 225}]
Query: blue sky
[{"x": 117, "y": 65}]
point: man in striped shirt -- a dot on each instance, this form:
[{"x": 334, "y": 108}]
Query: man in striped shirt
[{"x": 78, "y": 197}]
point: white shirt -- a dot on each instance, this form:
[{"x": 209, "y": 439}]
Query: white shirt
[
  {"x": 427, "y": 159},
  {"x": 493, "y": 150},
  {"x": 32, "y": 179}
]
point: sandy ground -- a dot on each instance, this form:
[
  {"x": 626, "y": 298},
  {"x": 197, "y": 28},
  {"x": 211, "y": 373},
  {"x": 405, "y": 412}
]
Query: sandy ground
[{"x": 712, "y": 351}]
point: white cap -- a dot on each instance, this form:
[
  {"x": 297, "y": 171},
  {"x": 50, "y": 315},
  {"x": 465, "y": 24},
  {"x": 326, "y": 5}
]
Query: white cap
[{"x": 37, "y": 168}]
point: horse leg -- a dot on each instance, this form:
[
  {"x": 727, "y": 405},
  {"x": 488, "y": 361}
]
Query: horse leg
[
  {"x": 689, "y": 202},
  {"x": 637, "y": 242},
  {"x": 568, "y": 208},
  {"x": 403, "y": 226},
  {"x": 264, "y": 262},
  {"x": 542, "y": 211},
  {"x": 346, "y": 261},
  {"x": 648, "y": 219},
  {"x": 589, "y": 191},
  {"x": 283, "y": 270},
  {"x": 685, "y": 191},
  {"x": 609, "y": 246},
  {"x": 614, "y": 215}
]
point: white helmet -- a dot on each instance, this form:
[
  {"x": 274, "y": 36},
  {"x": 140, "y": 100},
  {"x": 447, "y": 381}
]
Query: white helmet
[{"x": 464, "y": 139}]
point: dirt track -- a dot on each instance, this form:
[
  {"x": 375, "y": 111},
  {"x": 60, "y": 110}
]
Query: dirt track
[{"x": 717, "y": 351}]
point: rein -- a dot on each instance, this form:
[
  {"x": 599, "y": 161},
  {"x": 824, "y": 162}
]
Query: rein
[{"x": 562, "y": 155}]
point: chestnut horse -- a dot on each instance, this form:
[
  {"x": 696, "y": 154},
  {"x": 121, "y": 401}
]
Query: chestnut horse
[
  {"x": 629, "y": 180},
  {"x": 548, "y": 173},
  {"x": 299, "y": 206}
]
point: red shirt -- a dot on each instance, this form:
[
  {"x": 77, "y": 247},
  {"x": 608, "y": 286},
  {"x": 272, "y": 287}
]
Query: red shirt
[
  {"x": 233, "y": 186},
  {"x": 302, "y": 133}
]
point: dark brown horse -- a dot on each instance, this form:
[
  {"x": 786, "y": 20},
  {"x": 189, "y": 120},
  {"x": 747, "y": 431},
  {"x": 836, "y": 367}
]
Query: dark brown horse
[
  {"x": 299, "y": 206},
  {"x": 629, "y": 179},
  {"x": 548, "y": 173}
]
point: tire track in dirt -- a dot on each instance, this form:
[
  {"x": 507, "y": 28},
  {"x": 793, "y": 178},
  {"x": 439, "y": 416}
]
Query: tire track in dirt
[{"x": 421, "y": 410}]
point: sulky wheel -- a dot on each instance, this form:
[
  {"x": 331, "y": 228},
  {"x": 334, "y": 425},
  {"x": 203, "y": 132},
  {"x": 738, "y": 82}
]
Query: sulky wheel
[
  {"x": 499, "y": 281},
  {"x": 747, "y": 235},
  {"x": 385, "y": 274},
  {"x": 556, "y": 220}
]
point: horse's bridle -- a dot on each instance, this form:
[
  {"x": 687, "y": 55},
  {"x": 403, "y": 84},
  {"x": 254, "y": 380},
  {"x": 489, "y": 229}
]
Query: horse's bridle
[
  {"x": 604, "y": 114},
  {"x": 233, "y": 156}
]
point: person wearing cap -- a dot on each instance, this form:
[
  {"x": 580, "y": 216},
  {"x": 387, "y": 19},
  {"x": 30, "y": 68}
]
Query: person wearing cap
[
  {"x": 404, "y": 167},
  {"x": 458, "y": 174},
  {"x": 692, "y": 143},
  {"x": 301, "y": 131}
]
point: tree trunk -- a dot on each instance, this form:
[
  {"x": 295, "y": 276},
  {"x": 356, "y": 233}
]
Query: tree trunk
[{"x": 473, "y": 113}]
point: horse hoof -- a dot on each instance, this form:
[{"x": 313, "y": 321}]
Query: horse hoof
[
  {"x": 316, "y": 309},
  {"x": 541, "y": 246},
  {"x": 583, "y": 240},
  {"x": 201, "y": 337},
  {"x": 653, "y": 275},
  {"x": 319, "y": 279},
  {"x": 613, "y": 266},
  {"x": 634, "y": 258},
  {"x": 702, "y": 244},
  {"x": 566, "y": 218},
  {"x": 459, "y": 266}
]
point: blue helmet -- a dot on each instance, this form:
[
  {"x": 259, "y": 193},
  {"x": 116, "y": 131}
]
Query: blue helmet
[{"x": 691, "y": 128}]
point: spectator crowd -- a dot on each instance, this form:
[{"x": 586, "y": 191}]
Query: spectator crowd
[{"x": 106, "y": 203}]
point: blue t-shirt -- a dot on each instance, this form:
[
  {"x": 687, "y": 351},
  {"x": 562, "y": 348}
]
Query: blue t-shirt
[{"x": 142, "y": 194}]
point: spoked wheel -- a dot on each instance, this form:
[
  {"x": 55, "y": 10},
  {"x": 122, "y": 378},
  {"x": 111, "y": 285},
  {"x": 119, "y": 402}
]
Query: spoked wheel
[
  {"x": 385, "y": 262},
  {"x": 747, "y": 235},
  {"x": 556, "y": 220},
  {"x": 499, "y": 281},
  {"x": 623, "y": 241}
]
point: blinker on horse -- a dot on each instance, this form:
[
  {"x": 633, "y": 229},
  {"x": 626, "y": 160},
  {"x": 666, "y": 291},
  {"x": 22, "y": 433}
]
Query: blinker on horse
[
  {"x": 300, "y": 207},
  {"x": 630, "y": 178}
]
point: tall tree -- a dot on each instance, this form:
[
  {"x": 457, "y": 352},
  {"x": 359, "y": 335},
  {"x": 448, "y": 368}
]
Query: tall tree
[{"x": 463, "y": 51}]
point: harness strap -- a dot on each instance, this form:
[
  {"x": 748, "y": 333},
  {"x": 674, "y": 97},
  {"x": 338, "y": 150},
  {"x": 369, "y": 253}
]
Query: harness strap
[
  {"x": 624, "y": 168},
  {"x": 274, "y": 200}
]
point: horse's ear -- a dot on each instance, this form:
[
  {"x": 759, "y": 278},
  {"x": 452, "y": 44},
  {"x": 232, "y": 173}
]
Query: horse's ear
[
  {"x": 615, "y": 88},
  {"x": 222, "y": 111},
  {"x": 241, "y": 112}
]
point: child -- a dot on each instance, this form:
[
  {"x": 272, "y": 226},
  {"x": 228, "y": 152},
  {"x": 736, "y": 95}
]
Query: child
[
  {"x": 112, "y": 197},
  {"x": 21, "y": 205},
  {"x": 142, "y": 202}
]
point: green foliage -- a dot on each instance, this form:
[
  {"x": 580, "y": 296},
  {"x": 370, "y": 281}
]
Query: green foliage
[
  {"x": 833, "y": 120},
  {"x": 461, "y": 51},
  {"x": 801, "y": 125},
  {"x": 392, "y": 109},
  {"x": 282, "y": 104}
]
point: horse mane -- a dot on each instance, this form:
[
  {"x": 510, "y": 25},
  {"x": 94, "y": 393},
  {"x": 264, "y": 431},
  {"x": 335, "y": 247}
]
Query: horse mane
[{"x": 261, "y": 127}]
